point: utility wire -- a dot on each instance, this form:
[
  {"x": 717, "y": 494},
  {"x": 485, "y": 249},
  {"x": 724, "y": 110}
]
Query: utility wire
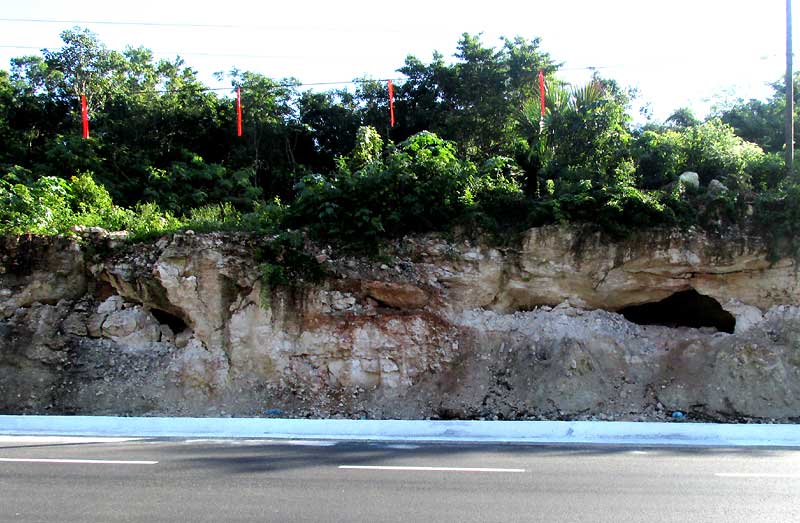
[
  {"x": 331, "y": 28},
  {"x": 303, "y": 84},
  {"x": 198, "y": 89},
  {"x": 277, "y": 85},
  {"x": 283, "y": 84},
  {"x": 222, "y": 55},
  {"x": 627, "y": 67},
  {"x": 233, "y": 55},
  {"x": 124, "y": 22}
]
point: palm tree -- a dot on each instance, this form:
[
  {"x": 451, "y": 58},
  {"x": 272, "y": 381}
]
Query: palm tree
[{"x": 581, "y": 133}]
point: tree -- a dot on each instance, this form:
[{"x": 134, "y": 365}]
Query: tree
[
  {"x": 761, "y": 122},
  {"x": 683, "y": 117},
  {"x": 583, "y": 135},
  {"x": 10, "y": 146},
  {"x": 332, "y": 119},
  {"x": 757, "y": 121},
  {"x": 475, "y": 101},
  {"x": 83, "y": 66},
  {"x": 272, "y": 132}
]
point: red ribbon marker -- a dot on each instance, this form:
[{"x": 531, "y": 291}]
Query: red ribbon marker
[
  {"x": 541, "y": 90},
  {"x": 238, "y": 111},
  {"x": 391, "y": 103},
  {"x": 85, "y": 117}
]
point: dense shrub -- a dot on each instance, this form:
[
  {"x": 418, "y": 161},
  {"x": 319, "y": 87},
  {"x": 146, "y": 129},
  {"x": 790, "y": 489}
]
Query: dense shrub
[
  {"x": 777, "y": 216},
  {"x": 418, "y": 186},
  {"x": 710, "y": 149},
  {"x": 149, "y": 221},
  {"x": 616, "y": 209},
  {"x": 165, "y": 146},
  {"x": 661, "y": 156},
  {"x": 42, "y": 208},
  {"x": 53, "y": 205},
  {"x": 495, "y": 199},
  {"x": 767, "y": 171},
  {"x": 194, "y": 183}
]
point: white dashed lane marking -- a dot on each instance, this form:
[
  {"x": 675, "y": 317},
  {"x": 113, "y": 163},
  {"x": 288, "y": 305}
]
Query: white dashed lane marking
[
  {"x": 77, "y": 461},
  {"x": 756, "y": 475},
  {"x": 427, "y": 469}
]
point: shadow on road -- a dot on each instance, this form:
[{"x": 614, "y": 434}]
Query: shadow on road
[{"x": 231, "y": 457}]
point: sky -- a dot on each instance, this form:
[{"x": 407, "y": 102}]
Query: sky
[{"x": 676, "y": 53}]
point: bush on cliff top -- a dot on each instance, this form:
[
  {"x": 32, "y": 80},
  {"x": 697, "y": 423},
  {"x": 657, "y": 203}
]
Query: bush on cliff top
[
  {"x": 384, "y": 191},
  {"x": 51, "y": 205}
]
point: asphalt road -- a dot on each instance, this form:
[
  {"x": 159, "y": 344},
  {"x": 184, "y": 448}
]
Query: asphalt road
[{"x": 261, "y": 480}]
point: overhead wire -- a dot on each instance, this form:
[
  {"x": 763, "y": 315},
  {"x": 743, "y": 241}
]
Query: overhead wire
[
  {"x": 317, "y": 56},
  {"x": 205, "y": 53},
  {"x": 236, "y": 55},
  {"x": 262, "y": 27},
  {"x": 193, "y": 25},
  {"x": 338, "y": 28},
  {"x": 291, "y": 84},
  {"x": 266, "y": 56},
  {"x": 135, "y": 23}
]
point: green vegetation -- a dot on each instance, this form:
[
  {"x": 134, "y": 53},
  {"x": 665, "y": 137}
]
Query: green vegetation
[{"x": 470, "y": 150}]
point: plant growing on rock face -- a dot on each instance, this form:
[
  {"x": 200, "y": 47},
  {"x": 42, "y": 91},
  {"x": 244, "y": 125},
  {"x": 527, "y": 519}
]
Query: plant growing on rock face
[{"x": 284, "y": 262}]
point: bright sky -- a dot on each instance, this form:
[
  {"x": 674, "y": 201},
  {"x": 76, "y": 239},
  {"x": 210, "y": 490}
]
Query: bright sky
[{"x": 675, "y": 52}]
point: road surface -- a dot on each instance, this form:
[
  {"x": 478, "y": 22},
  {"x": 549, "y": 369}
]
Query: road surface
[{"x": 85, "y": 479}]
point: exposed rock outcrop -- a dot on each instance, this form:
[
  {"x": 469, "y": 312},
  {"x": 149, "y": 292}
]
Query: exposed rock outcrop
[
  {"x": 187, "y": 326},
  {"x": 37, "y": 269}
]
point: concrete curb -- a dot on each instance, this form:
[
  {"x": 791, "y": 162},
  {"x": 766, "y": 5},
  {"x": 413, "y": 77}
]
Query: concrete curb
[{"x": 568, "y": 432}]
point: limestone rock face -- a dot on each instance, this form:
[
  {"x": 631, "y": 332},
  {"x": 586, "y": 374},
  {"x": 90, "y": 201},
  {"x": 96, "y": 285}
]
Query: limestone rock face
[
  {"x": 186, "y": 326},
  {"x": 39, "y": 270},
  {"x": 131, "y": 327},
  {"x": 558, "y": 264},
  {"x": 758, "y": 371},
  {"x": 397, "y": 295}
]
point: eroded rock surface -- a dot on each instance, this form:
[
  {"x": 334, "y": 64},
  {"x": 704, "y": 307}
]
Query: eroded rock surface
[{"x": 187, "y": 326}]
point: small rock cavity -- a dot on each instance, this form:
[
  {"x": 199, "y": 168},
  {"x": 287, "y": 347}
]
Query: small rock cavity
[
  {"x": 682, "y": 309},
  {"x": 176, "y": 324}
]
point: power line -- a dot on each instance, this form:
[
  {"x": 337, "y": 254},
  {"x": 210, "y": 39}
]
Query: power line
[
  {"x": 332, "y": 28},
  {"x": 275, "y": 85},
  {"x": 628, "y": 67},
  {"x": 311, "y": 84},
  {"x": 221, "y": 55},
  {"x": 125, "y": 22},
  {"x": 317, "y": 56},
  {"x": 283, "y": 84}
]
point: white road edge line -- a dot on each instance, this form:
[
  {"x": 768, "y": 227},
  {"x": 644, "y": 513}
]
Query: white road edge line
[
  {"x": 427, "y": 469},
  {"x": 63, "y": 439},
  {"x": 77, "y": 461},
  {"x": 756, "y": 475}
]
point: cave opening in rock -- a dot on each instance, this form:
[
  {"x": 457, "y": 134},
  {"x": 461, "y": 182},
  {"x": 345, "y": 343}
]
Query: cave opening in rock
[
  {"x": 682, "y": 309},
  {"x": 176, "y": 324}
]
